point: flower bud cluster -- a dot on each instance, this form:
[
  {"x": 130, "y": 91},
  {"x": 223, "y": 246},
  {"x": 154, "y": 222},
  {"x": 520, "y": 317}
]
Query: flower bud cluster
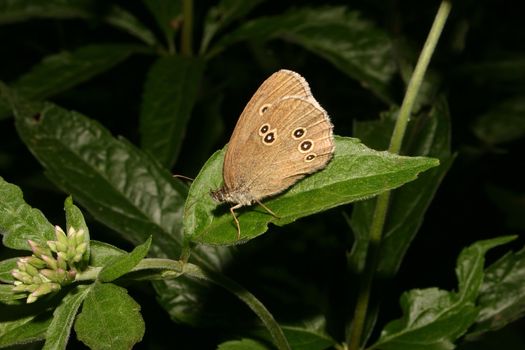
[{"x": 51, "y": 267}]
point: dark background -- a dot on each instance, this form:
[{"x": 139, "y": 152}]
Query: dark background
[{"x": 481, "y": 63}]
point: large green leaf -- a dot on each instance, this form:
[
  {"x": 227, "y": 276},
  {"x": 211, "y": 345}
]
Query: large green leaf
[
  {"x": 59, "y": 72},
  {"x": 355, "y": 46},
  {"x": 432, "y": 318},
  {"x": 502, "y": 295},
  {"x": 169, "y": 95},
  {"x": 19, "y": 221},
  {"x": 110, "y": 319},
  {"x": 120, "y": 185},
  {"x": 355, "y": 173}
]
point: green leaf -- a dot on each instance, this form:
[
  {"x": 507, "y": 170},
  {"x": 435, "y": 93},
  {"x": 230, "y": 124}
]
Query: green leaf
[
  {"x": 503, "y": 123},
  {"x": 117, "y": 183},
  {"x": 24, "y": 10},
  {"x": 243, "y": 344},
  {"x": 167, "y": 13},
  {"x": 127, "y": 22},
  {"x": 427, "y": 135},
  {"x": 433, "y": 318},
  {"x": 122, "y": 264},
  {"x": 75, "y": 219},
  {"x": 19, "y": 221},
  {"x": 502, "y": 295},
  {"x": 221, "y": 15},
  {"x": 356, "y": 172},
  {"x": 102, "y": 252},
  {"x": 62, "y": 71},
  {"x": 16, "y": 330},
  {"x": 355, "y": 46},
  {"x": 110, "y": 319},
  {"x": 57, "y": 334},
  {"x": 169, "y": 95},
  {"x": 469, "y": 267}
]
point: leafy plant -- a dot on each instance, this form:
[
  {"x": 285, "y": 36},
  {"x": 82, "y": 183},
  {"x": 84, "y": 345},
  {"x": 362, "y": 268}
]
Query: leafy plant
[{"x": 179, "y": 69}]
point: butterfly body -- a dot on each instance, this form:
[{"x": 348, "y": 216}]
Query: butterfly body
[{"x": 282, "y": 135}]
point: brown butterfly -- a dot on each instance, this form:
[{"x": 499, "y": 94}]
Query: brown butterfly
[{"x": 282, "y": 135}]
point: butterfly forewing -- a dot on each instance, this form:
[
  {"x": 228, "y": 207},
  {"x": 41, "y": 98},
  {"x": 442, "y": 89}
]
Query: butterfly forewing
[
  {"x": 295, "y": 139},
  {"x": 279, "y": 85}
]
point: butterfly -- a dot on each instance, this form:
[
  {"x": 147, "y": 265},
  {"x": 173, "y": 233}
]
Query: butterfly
[{"x": 282, "y": 135}]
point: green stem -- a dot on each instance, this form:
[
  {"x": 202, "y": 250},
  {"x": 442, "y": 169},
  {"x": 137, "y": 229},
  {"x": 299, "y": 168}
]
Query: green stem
[
  {"x": 417, "y": 76},
  {"x": 175, "y": 267},
  {"x": 90, "y": 274},
  {"x": 355, "y": 333},
  {"x": 186, "y": 251},
  {"x": 187, "y": 27},
  {"x": 249, "y": 299},
  {"x": 372, "y": 257}
]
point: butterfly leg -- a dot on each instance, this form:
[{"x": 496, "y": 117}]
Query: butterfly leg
[
  {"x": 236, "y": 220},
  {"x": 267, "y": 209}
]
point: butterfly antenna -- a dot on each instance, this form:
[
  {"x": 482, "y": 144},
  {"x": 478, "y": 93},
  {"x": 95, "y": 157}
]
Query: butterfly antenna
[{"x": 183, "y": 177}]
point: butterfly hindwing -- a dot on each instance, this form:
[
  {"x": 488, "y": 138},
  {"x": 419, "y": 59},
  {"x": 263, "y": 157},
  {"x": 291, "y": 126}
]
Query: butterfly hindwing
[{"x": 295, "y": 139}]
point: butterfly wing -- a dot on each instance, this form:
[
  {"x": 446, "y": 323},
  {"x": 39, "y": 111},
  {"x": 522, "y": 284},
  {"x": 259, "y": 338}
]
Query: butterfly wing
[
  {"x": 294, "y": 139},
  {"x": 279, "y": 85}
]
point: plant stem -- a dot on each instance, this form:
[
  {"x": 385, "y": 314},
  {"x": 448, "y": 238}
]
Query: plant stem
[
  {"x": 355, "y": 333},
  {"x": 417, "y": 76},
  {"x": 187, "y": 27}
]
